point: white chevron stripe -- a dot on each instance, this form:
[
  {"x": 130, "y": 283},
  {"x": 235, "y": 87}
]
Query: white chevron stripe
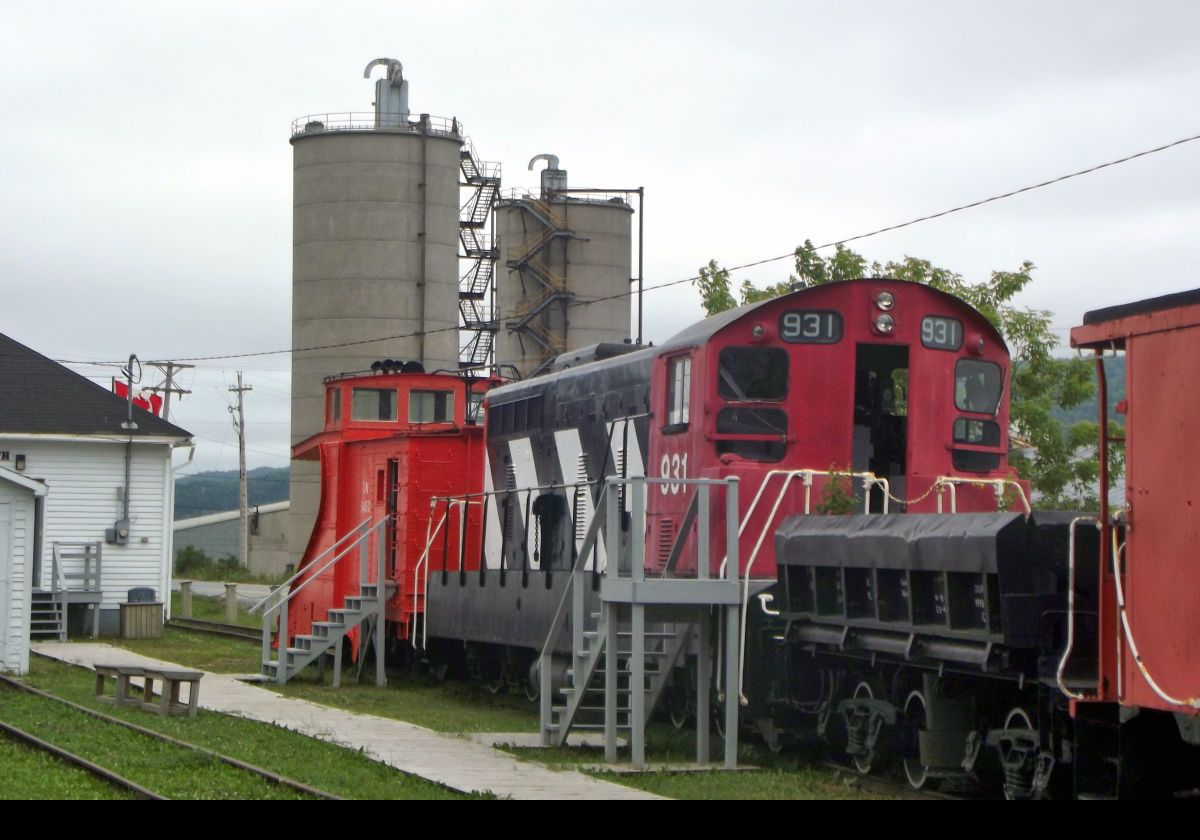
[
  {"x": 525, "y": 471},
  {"x": 493, "y": 543},
  {"x": 569, "y": 449}
]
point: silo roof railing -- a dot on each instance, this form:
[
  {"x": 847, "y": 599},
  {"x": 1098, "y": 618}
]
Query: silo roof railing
[
  {"x": 580, "y": 196},
  {"x": 370, "y": 121}
]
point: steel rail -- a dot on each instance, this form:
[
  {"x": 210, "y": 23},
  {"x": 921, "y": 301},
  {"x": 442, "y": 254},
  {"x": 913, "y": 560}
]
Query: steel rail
[
  {"x": 96, "y": 770},
  {"x": 269, "y": 775},
  {"x": 218, "y": 628}
]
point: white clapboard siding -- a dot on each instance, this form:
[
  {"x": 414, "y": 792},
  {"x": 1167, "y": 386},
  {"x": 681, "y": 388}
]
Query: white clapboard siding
[
  {"x": 84, "y": 480},
  {"x": 16, "y": 520}
]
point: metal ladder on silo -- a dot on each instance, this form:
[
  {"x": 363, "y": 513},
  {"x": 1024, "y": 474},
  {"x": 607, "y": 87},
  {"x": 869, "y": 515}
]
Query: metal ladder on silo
[{"x": 477, "y": 283}]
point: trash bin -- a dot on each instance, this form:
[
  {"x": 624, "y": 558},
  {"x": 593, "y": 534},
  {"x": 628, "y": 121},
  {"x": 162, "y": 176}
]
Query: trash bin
[{"x": 141, "y": 615}]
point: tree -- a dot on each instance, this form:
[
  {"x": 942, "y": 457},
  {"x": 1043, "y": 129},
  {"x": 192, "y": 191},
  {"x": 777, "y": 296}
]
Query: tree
[{"x": 1060, "y": 463}]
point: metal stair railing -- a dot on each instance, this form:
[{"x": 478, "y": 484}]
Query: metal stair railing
[
  {"x": 87, "y": 579},
  {"x": 358, "y": 537},
  {"x": 624, "y": 584}
]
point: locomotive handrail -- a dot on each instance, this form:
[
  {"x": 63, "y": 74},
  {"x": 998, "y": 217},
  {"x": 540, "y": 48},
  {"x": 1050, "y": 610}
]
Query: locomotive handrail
[
  {"x": 305, "y": 569},
  {"x": 1118, "y": 548},
  {"x": 1062, "y": 663},
  {"x": 951, "y": 482},
  {"x": 463, "y": 501},
  {"x": 869, "y": 480},
  {"x": 431, "y": 533}
]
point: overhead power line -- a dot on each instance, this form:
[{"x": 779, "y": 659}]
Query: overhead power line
[{"x": 789, "y": 255}]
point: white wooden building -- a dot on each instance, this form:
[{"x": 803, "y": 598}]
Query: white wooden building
[
  {"x": 68, "y": 433},
  {"x": 20, "y": 507}
]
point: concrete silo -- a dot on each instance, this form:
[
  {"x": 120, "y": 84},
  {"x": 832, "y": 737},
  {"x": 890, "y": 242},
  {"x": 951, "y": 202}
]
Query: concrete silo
[
  {"x": 375, "y": 233},
  {"x": 561, "y": 250}
]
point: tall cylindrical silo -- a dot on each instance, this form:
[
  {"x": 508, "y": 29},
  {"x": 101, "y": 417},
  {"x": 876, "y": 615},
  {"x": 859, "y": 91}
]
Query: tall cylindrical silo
[
  {"x": 567, "y": 268},
  {"x": 375, "y": 214}
]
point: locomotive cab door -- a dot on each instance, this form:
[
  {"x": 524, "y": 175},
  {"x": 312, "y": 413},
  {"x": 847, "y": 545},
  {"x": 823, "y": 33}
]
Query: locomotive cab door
[{"x": 881, "y": 417}]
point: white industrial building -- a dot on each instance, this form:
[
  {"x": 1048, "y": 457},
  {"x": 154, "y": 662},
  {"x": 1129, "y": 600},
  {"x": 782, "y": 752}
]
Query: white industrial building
[
  {"x": 216, "y": 534},
  {"x": 106, "y": 516}
]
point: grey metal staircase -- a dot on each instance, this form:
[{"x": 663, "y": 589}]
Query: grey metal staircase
[
  {"x": 48, "y": 616},
  {"x": 621, "y": 656},
  {"x": 476, "y": 286},
  {"x": 584, "y": 705},
  {"x": 75, "y": 578},
  {"x": 365, "y": 611}
]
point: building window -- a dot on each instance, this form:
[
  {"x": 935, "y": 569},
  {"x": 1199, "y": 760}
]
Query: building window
[
  {"x": 431, "y": 407},
  {"x": 679, "y": 386},
  {"x": 375, "y": 404}
]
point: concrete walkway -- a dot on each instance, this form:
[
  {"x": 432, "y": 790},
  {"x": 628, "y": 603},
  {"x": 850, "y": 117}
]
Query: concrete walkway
[{"x": 458, "y": 763}]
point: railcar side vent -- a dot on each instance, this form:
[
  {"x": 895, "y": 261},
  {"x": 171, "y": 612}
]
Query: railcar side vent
[
  {"x": 581, "y": 489},
  {"x": 666, "y": 540}
]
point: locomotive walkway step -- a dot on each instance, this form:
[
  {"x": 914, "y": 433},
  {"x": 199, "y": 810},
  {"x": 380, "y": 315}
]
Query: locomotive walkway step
[{"x": 458, "y": 763}]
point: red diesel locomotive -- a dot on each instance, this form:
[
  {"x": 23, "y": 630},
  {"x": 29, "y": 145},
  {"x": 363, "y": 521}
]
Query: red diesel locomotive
[{"x": 961, "y": 637}]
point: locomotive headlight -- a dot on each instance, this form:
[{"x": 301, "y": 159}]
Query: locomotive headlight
[
  {"x": 885, "y": 324},
  {"x": 885, "y": 301},
  {"x": 758, "y": 332}
]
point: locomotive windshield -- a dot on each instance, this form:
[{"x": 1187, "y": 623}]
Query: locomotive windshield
[
  {"x": 373, "y": 404},
  {"x": 753, "y": 373},
  {"x": 977, "y": 386}
]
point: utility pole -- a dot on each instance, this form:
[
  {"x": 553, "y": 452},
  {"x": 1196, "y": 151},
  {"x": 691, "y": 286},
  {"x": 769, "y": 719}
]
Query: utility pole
[
  {"x": 169, "y": 386},
  {"x": 239, "y": 425}
]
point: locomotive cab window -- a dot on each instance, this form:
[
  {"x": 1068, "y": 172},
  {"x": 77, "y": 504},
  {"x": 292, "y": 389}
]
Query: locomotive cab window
[
  {"x": 431, "y": 407},
  {"x": 475, "y": 411},
  {"x": 373, "y": 404},
  {"x": 977, "y": 386},
  {"x": 752, "y": 373},
  {"x": 333, "y": 410},
  {"x": 757, "y": 434},
  {"x": 976, "y": 433},
  {"x": 679, "y": 386}
]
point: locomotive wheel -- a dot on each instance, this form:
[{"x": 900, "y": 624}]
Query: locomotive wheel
[
  {"x": 533, "y": 682},
  {"x": 915, "y": 714},
  {"x": 879, "y": 753},
  {"x": 1017, "y": 718},
  {"x": 494, "y": 680}
]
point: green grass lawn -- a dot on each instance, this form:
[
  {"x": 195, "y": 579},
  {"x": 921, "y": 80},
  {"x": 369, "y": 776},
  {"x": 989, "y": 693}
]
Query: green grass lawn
[
  {"x": 459, "y": 708},
  {"x": 32, "y": 774},
  {"x": 219, "y": 654},
  {"x": 213, "y": 609},
  {"x": 322, "y": 765}
]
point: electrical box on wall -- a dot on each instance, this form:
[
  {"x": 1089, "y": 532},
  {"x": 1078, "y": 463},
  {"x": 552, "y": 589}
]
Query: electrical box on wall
[{"x": 118, "y": 534}]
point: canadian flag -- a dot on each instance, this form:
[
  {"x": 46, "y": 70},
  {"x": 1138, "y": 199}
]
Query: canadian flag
[{"x": 152, "y": 403}]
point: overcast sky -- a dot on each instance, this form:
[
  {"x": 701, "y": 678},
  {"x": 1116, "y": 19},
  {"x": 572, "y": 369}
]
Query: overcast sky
[{"x": 147, "y": 171}]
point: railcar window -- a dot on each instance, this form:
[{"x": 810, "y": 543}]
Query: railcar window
[
  {"x": 977, "y": 386},
  {"x": 752, "y": 373},
  {"x": 976, "y": 432},
  {"x": 744, "y": 420},
  {"x": 475, "y": 411},
  {"x": 373, "y": 404},
  {"x": 679, "y": 386},
  {"x": 431, "y": 407},
  {"x": 335, "y": 404}
]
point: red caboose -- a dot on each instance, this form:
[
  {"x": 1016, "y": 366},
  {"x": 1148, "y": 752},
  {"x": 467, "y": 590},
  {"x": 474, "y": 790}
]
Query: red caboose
[
  {"x": 1150, "y": 604},
  {"x": 391, "y": 442}
]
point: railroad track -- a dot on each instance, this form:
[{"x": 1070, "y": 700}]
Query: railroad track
[
  {"x": 883, "y": 785},
  {"x": 102, "y": 773},
  {"x": 216, "y": 628},
  {"x": 119, "y": 781}
]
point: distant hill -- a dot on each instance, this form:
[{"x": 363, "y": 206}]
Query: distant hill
[
  {"x": 1115, "y": 374},
  {"x": 214, "y": 492}
]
